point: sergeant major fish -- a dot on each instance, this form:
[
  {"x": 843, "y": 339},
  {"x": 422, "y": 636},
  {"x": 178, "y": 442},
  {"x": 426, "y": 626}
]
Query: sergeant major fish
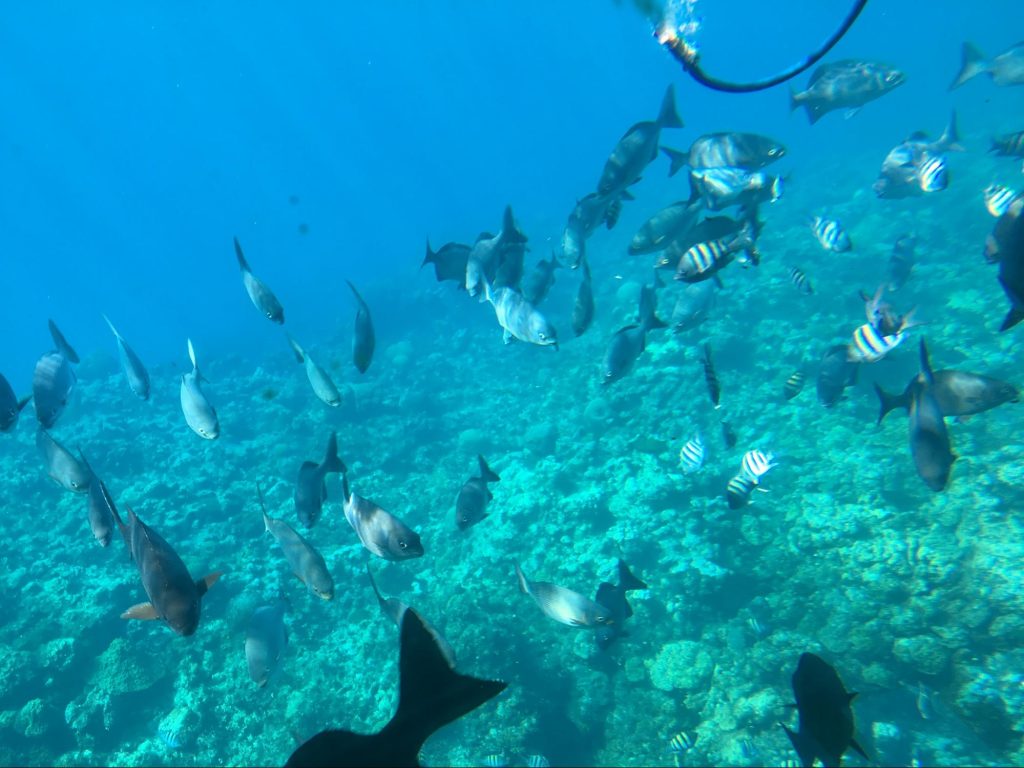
[
  {"x": 474, "y": 496},
  {"x": 52, "y": 383},
  {"x": 563, "y": 605},
  {"x": 306, "y": 562},
  {"x": 1008, "y": 144},
  {"x": 637, "y": 147},
  {"x": 847, "y": 84},
  {"x": 134, "y": 371},
  {"x": 259, "y": 294},
  {"x": 380, "y": 532},
  {"x": 311, "y": 486},
  {"x": 830, "y": 234},
  {"x": 916, "y": 166},
  {"x": 199, "y": 412}
]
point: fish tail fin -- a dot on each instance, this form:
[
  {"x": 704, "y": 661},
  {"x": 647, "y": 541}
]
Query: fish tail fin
[
  {"x": 794, "y": 100},
  {"x": 667, "y": 116},
  {"x": 510, "y": 233},
  {"x": 804, "y": 747},
  {"x": 926, "y": 363},
  {"x": 888, "y": 402},
  {"x": 345, "y": 490},
  {"x": 300, "y": 355},
  {"x": 242, "y": 263},
  {"x": 23, "y": 402},
  {"x": 373, "y": 583},
  {"x": 486, "y": 473},
  {"x": 627, "y": 580},
  {"x": 1014, "y": 316},
  {"x": 333, "y": 462},
  {"x": 431, "y": 256},
  {"x": 972, "y": 64},
  {"x": 524, "y": 585},
  {"x": 263, "y": 508},
  {"x": 950, "y": 138},
  {"x": 203, "y": 585},
  {"x": 192, "y": 356},
  {"x": 110, "y": 325},
  {"x": 676, "y": 159}
]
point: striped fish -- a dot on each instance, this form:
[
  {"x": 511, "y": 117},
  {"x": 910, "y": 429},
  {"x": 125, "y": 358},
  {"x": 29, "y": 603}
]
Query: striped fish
[
  {"x": 738, "y": 490},
  {"x": 691, "y": 455},
  {"x": 1008, "y": 144},
  {"x": 933, "y": 175},
  {"x": 830, "y": 234},
  {"x": 702, "y": 258},
  {"x": 800, "y": 280},
  {"x": 681, "y": 743},
  {"x": 714, "y": 388},
  {"x": 496, "y": 761},
  {"x": 870, "y": 346},
  {"x": 537, "y": 761},
  {"x": 794, "y": 384},
  {"x": 998, "y": 199},
  {"x": 756, "y": 464}
]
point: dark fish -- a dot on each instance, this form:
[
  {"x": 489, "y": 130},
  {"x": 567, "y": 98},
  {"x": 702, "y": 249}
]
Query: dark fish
[
  {"x": 174, "y": 596},
  {"x": 63, "y": 468},
  {"x": 1009, "y": 144},
  {"x": 711, "y": 378},
  {"x": 1005, "y": 69},
  {"x": 1006, "y": 245},
  {"x": 449, "y": 262},
  {"x": 311, "y": 486},
  {"x": 694, "y": 305},
  {"x": 916, "y": 166},
  {"x": 199, "y": 411},
  {"x": 588, "y": 213},
  {"x": 265, "y": 641},
  {"x": 739, "y": 489},
  {"x": 261, "y": 296},
  {"x": 835, "y": 373},
  {"x": 363, "y": 340},
  {"x": 62, "y": 344},
  {"x": 381, "y": 533},
  {"x": 102, "y": 512},
  {"x": 306, "y": 562},
  {"x": 658, "y": 232},
  {"x": 629, "y": 342},
  {"x": 846, "y": 84},
  {"x": 637, "y": 148},
  {"x": 825, "y": 729},
  {"x": 728, "y": 435},
  {"x": 52, "y": 383},
  {"x": 134, "y": 370},
  {"x": 929, "y": 440},
  {"x": 722, "y": 188},
  {"x": 748, "y": 151},
  {"x": 538, "y": 283},
  {"x": 613, "y": 597},
  {"x": 583, "y": 308},
  {"x": 563, "y": 605},
  {"x": 323, "y": 387},
  {"x": 474, "y": 496},
  {"x": 431, "y": 695},
  {"x": 957, "y": 393},
  {"x": 490, "y": 252},
  {"x": 794, "y": 385},
  {"x": 519, "y": 319},
  {"x": 901, "y": 262},
  {"x": 800, "y": 281},
  {"x": 395, "y": 609},
  {"x": 10, "y": 405}
]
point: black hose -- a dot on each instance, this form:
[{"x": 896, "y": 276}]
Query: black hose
[{"x": 687, "y": 55}]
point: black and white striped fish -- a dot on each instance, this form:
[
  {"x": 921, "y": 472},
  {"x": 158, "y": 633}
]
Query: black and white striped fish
[
  {"x": 738, "y": 490},
  {"x": 714, "y": 388},
  {"x": 933, "y": 176},
  {"x": 998, "y": 199},
  {"x": 794, "y": 384},
  {"x": 801, "y": 281},
  {"x": 691, "y": 455},
  {"x": 756, "y": 464},
  {"x": 681, "y": 743},
  {"x": 704, "y": 260},
  {"x": 537, "y": 761},
  {"x": 870, "y": 346},
  {"x": 496, "y": 761},
  {"x": 830, "y": 234}
]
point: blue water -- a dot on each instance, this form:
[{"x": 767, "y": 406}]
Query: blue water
[{"x": 333, "y": 139}]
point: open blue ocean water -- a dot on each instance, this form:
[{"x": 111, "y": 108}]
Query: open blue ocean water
[{"x": 335, "y": 140}]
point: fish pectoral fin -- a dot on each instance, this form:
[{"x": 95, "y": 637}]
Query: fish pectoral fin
[
  {"x": 859, "y": 748},
  {"x": 507, "y": 336},
  {"x": 206, "y": 582},
  {"x": 141, "y": 612}
]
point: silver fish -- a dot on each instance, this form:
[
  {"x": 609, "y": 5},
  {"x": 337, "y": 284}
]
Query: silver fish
[
  {"x": 846, "y": 84},
  {"x": 363, "y": 339},
  {"x": 52, "y": 383},
  {"x": 666, "y": 225},
  {"x": 199, "y": 412},
  {"x": 306, "y": 562},
  {"x": 519, "y": 319},
  {"x": 380, "y": 532},
  {"x": 265, "y": 642},
  {"x": 694, "y": 305},
  {"x": 321, "y": 383},
  {"x": 65, "y": 470},
  {"x": 261, "y": 296},
  {"x": 929, "y": 439},
  {"x": 102, "y": 512},
  {"x": 62, "y": 343},
  {"x": 474, "y": 496},
  {"x": 563, "y": 605},
  {"x": 721, "y": 188},
  {"x": 134, "y": 370},
  {"x": 489, "y": 252}
]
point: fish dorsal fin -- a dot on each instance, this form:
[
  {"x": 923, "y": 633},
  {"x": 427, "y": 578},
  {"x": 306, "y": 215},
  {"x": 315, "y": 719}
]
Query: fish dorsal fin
[{"x": 918, "y": 136}]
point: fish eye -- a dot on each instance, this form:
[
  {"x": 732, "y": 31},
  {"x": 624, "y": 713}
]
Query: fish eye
[
  {"x": 403, "y": 544},
  {"x": 543, "y": 336}
]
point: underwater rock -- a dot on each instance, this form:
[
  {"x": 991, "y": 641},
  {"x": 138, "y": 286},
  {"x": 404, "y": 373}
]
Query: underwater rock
[
  {"x": 123, "y": 669},
  {"x": 34, "y": 720},
  {"x": 923, "y": 652},
  {"x": 474, "y": 440},
  {"x": 541, "y": 438},
  {"x": 684, "y": 665}
]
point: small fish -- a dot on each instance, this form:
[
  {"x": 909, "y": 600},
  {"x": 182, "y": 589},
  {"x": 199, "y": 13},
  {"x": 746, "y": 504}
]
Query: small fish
[
  {"x": 704, "y": 260},
  {"x": 10, "y": 406},
  {"x": 564, "y": 605},
  {"x": 134, "y": 370},
  {"x": 694, "y": 305},
  {"x": 847, "y": 84},
  {"x": 449, "y": 262},
  {"x": 637, "y": 147},
  {"x": 998, "y": 199},
  {"x": 496, "y": 761},
  {"x": 311, "y": 486},
  {"x": 830, "y": 234},
  {"x": 61, "y": 465},
  {"x": 629, "y": 342},
  {"x": 199, "y": 412},
  {"x": 794, "y": 385},
  {"x": 380, "y": 532},
  {"x": 537, "y": 761},
  {"x": 613, "y": 597},
  {"x": 869, "y": 345},
  {"x": 691, "y": 455},
  {"x": 728, "y": 435},
  {"x": 1005, "y": 69},
  {"x": 583, "y": 309},
  {"x": 1008, "y": 144},
  {"x": 490, "y": 253},
  {"x": 474, "y": 496},
  {"x": 52, "y": 383},
  {"x": 102, "y": 512},
  {"x": 538, "y": 283},
  {"x": 800, "y": 281},
  {"x": 62, "y": 343},
  {"x": 306, "y": 562},
  {"x": 711, "y": 378},
  {"x": 266, "y": 639},
  {"x": 261, "y": 296},
  {"x": 318, "y": 378},
  {"x": 431, "y": 695},
  {"x": 901, "y": 261},
  {"x": 835, "y": 373},
  {"x": 663, "y": 227},
  {"x": 739, "y": 489},
  {"x": 747, "y": 748},
  {"x": 934, "y": 177},
  {"x": 923, "y": 701},
  {"x": 170, "y": 736},
  {"x": 363, "y": 339},
  {"x": 756, "y": 627},
  {"x": 756, "y": 464},
  {"x": 929, "y": 440},
  {"x": 681, "y": 742}
]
